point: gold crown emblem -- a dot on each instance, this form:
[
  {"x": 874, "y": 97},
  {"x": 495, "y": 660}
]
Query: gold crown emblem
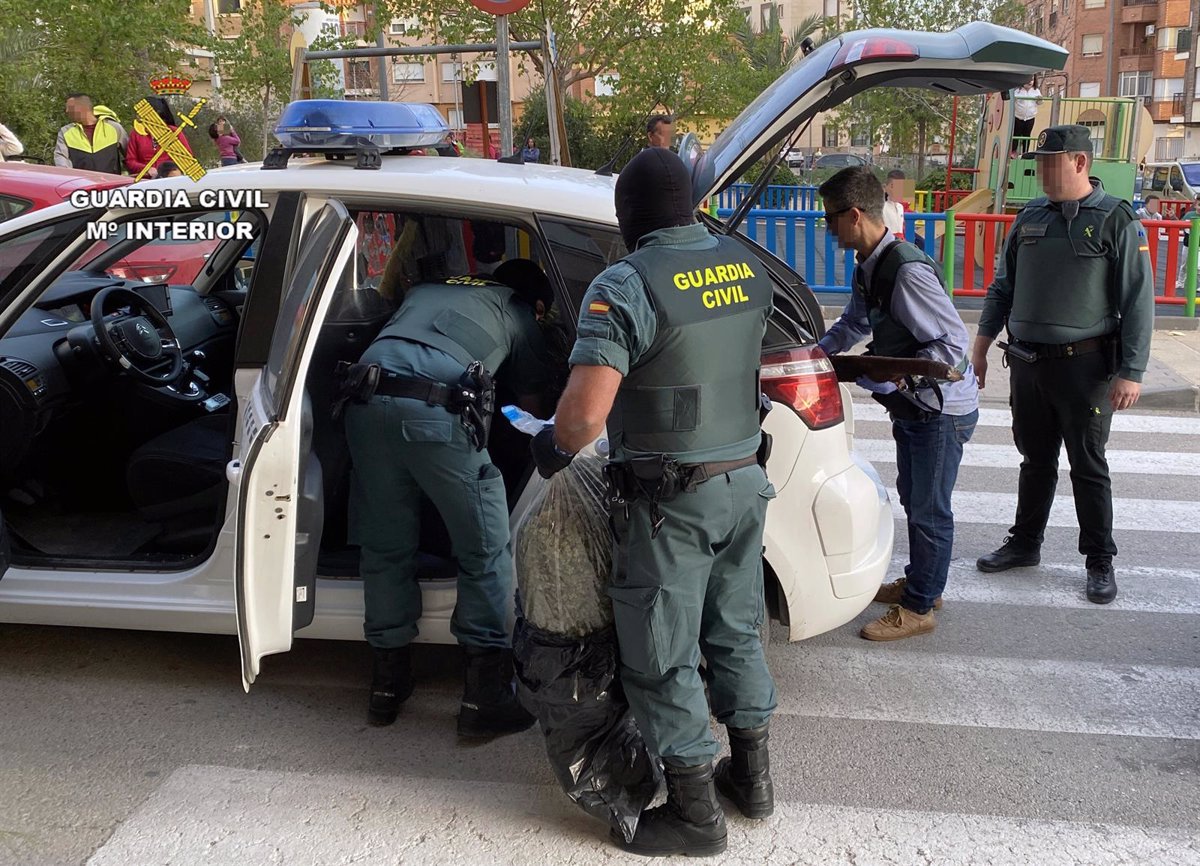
[{"x": 169, "y": 84}]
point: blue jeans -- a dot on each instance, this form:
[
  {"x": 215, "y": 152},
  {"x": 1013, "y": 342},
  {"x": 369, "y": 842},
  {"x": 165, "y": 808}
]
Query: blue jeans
[{"x": 927, "y": 458}]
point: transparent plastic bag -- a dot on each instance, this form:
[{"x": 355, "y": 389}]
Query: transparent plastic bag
[{"x": 563, "y": 550}]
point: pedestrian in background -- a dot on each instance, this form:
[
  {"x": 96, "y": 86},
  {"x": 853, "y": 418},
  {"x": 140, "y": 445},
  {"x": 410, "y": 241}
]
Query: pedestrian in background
[
  {"x": 531, "y": 153},
  {"x": 1025, "y": 109},
  {"x": 677, "y": 384},
  {"x": 93, "y": 140},
  {"x": 10, "y": 145},
  {"x": 1079, "y": 351},
  {"x": 142, "y": 149},
  {"x": 899, "y": 301},
  {"x": 660, "y": 130},
  {"x": 227, "y": 141},
  {"x": 169, "y": 169}
]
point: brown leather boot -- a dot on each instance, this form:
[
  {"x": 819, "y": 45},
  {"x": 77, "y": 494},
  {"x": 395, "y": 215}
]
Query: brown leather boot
[
  {"x": 898, "y": 623},
  {"x": 890, "y": 593}
]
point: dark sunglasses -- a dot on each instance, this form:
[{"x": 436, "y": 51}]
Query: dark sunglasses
[{"x": 836, "y": 213}]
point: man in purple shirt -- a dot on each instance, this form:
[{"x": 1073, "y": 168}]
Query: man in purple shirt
[{"x": 899, "y": 301}]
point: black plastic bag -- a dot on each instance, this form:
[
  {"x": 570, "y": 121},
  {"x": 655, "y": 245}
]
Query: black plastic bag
[{"x": 595, "y": 749}]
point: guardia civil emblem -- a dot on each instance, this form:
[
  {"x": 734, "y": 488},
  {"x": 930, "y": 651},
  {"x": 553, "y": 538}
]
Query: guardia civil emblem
[{"x": 1042, "y": 138}]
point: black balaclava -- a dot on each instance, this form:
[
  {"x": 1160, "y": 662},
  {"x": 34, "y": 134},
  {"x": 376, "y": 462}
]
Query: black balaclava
[{"x": 653, "y": 192}]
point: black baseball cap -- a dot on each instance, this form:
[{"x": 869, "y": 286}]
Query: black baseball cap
[{"x": 1071, "y": 138}]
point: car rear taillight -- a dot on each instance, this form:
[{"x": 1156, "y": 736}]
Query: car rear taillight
[
  {"x": 804, "y": 379},
  {"x": 874, "y": 48},
  {"x": 159, "y": 273}
]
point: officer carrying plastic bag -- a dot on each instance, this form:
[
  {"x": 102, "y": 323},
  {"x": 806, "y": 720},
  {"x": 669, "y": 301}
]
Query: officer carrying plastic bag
[{"x": 565, "y": 646}]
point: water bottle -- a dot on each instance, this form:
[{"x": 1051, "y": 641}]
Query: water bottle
[{"x": 523, "y": 421}]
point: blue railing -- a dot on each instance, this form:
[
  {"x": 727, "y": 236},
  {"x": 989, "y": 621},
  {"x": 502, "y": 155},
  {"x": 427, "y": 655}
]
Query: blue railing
[
  {"x": 802, "y": 240},
  {"x": 774, "y": 197}
]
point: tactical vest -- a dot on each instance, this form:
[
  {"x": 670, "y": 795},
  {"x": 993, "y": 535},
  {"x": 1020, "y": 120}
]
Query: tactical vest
[
  {"x": 102, "y": 153},
  {"x": 1066, "y": 281},
  {"x": 697, "y": 387},
  {"x": 461, "y": 316},
  {"x": 889, "y": 338}
]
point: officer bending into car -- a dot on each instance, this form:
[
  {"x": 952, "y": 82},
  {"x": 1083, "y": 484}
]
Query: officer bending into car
[
  {"x": 417, "y": 420},
  {"x": 674, "y": 374},
  {"x": 1076, "y": 293},
  {"x": 900, "y": 301}
]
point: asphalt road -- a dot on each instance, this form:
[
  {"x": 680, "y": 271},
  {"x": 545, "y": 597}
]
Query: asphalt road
[{"x": 1031, "y": 728}]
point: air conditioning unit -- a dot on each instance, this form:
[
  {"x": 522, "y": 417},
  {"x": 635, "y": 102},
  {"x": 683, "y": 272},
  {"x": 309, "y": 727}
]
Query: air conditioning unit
[{"x": 1149, "y": 30}]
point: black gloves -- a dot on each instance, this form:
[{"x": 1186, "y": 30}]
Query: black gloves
[{"x": 548, "y": 456}]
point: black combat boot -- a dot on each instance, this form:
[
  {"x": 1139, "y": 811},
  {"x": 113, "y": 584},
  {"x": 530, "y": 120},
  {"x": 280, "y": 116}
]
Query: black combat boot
[
  {"x": 391, "y": 685},
  {"x": 489, "y": 703},
  {"x": 745, "y": 776},
  {"x": 690, "y": 822},
  {"x": 1013, "y": 553}
]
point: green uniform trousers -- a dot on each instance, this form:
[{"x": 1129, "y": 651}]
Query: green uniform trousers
[
  {"x": 696, "y": 588},
  {"x": 401, "y": 448}
]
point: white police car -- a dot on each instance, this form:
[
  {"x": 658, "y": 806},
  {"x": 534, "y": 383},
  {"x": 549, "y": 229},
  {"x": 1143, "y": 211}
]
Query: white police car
[{"x": 167, "y": 456}]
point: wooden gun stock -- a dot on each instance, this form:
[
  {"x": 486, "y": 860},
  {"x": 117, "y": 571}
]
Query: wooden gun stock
[{"x": 850, "y": 368}]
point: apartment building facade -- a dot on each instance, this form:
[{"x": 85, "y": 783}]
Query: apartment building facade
[{"x": 1138, "y": 48}]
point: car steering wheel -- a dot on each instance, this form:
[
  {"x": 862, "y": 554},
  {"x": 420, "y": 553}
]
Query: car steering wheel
[{"x": 139, "y": 342}]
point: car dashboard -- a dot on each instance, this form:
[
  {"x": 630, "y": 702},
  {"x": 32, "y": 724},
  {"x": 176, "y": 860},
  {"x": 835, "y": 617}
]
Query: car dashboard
[{"x": 49, "y": 358}]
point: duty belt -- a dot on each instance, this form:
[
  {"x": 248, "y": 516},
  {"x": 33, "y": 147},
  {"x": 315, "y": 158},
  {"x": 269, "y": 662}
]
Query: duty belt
[
  {"x": 660, "y": 479},
  {"x": 1067, "y": 350},
  {"x": 472, "y": 398}
]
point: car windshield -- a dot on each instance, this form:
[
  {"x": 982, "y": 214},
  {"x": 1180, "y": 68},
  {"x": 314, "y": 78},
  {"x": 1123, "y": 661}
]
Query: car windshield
[{"x": 1191, "y": 173}]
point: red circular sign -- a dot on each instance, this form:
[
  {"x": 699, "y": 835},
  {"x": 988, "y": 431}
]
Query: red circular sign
[{"x": 500, "y": 7}]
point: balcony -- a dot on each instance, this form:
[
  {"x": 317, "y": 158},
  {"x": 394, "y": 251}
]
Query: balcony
[
  {"x": 1135, "y": 60},
  {"x": 1139, "y": 12},
  {"x": 1177, "y": 105}
]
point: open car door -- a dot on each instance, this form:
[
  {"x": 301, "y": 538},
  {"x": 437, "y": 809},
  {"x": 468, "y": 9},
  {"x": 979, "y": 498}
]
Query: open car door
[
  {"x": 976, "y": 58},
  {"x": 278, "y": 479}
]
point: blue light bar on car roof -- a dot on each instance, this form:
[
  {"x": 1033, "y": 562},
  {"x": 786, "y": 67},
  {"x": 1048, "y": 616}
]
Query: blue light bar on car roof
[{"x": 333, "y": 123}]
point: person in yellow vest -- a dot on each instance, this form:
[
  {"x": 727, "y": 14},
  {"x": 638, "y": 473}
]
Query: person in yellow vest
[{"x": 93, "y": 140}]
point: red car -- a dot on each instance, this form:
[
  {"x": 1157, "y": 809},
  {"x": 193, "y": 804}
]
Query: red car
[{"x": 28, "y": 186}]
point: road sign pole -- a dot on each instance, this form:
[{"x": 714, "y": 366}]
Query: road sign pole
[{"x": 503, "y": 87}]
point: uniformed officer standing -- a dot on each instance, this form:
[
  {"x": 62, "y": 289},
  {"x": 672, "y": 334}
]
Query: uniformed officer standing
[
  {"x": 1077, "y": 295},
  {"x": 667, "y": 353},
  {"x": 405, "y": 441},
  {"x": 900, "y": 301}
]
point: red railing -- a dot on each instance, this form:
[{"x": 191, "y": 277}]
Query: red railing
[
  {"x": 982, "y": 229},
  {"x": 1173, "y": 287},
  {"x": 983, "y": 224}
]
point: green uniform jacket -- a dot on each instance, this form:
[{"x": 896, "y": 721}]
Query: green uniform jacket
[{"x": 1061, "y": 284}]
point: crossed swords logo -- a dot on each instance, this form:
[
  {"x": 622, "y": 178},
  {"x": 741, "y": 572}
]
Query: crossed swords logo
[{"x": 167, "y": 139}]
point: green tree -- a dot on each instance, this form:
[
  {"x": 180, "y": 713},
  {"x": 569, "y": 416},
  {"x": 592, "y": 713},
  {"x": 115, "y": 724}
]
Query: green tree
[
  {"x": 109, "y": 49},
  {"x": 255, "y": 66},
  {"x": 660, "y": 54},
  {"x": 909, "y": 119}
]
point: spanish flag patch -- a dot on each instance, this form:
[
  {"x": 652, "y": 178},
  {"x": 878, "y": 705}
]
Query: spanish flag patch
[{"x": 598, "y": 307}]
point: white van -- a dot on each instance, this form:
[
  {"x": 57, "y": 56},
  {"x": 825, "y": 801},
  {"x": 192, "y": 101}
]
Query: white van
[{"x": 1178, "y": 180}]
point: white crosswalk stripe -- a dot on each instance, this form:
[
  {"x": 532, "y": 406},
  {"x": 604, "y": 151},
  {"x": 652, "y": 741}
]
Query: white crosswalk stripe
[
  {"x": 1122, "y": 422},
  {"x": 218, "y": 816},
  {"x": 1007, "y": 457},
  {"x": 1147, "y": 515}
]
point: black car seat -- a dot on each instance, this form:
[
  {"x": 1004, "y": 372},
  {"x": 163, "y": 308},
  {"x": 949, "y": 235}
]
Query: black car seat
[{"x": 177, "y": 479}]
